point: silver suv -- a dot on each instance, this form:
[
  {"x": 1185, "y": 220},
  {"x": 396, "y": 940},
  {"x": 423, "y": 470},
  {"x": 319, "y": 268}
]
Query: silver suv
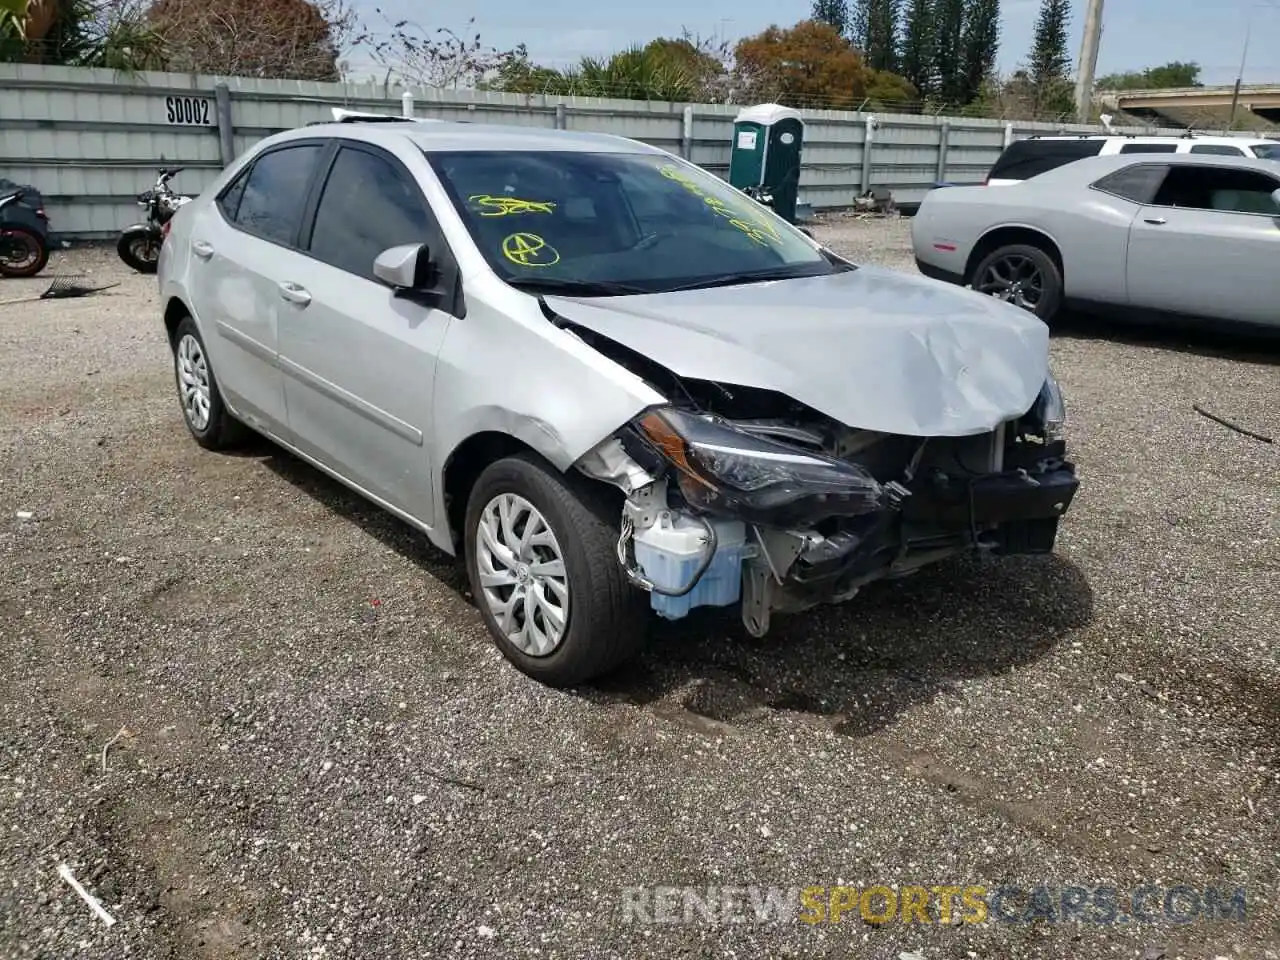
[{"x": 605, "y": 377}]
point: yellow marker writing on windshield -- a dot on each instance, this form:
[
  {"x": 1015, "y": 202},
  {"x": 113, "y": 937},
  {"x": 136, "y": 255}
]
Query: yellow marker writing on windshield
[
  {"x": 509, "y": 206},
  {"x": 758, "y": 231},
  {"x": 529, "y": 250}
]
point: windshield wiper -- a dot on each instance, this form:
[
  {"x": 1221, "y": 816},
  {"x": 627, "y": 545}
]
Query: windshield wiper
[
  {"x": 578, "y": 288},
  {"x": 731, "y": 279}
]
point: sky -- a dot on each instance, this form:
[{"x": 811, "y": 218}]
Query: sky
[{"x": 1136, "y": 33}]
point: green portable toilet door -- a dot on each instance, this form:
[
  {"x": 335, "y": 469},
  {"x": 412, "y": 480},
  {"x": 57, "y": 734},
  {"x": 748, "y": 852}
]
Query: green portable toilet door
[
  {"x": 747, "y": 160},
  {"x": 782, "y": 165}
]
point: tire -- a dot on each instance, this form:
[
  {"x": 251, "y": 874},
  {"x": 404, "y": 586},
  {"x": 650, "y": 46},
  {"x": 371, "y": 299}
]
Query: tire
[
  {"x": 37, "y": 249},
  {"x": 219, "y": 430},
  {"x": 607, "y": 617},
  {"x": 133, "y": 250},
  {"x": 1035, "y": 262}
]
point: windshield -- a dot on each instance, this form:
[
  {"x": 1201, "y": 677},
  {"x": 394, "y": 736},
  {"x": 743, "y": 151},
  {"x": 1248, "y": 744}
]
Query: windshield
[
  {"x": 605, "y": 223},
  {"x": 1267, "y": 151}
]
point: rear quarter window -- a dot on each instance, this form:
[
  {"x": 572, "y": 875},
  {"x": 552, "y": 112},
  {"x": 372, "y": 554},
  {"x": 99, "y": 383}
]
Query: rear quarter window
[
  {"x": 1219, "y": 149},
  {"x": 1137, "y": 183},
  {"x": 1024, "y": 159}
]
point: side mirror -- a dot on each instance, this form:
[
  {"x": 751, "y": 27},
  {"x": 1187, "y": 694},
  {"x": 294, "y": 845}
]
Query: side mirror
[{"x": 406, "y": 268}]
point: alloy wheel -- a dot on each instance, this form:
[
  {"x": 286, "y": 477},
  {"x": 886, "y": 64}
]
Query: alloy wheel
[
  {"x": 1014, "y": 279},
  {"x": 522, "y": 574}
]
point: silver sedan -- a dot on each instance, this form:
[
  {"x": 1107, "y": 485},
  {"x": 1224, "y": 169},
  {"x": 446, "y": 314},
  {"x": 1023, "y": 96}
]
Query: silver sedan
[
  {"x": 1169, "y": 234},
  {"x": 604, "y": 378}
]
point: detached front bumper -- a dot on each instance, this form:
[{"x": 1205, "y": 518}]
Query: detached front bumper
[
  {"x": 1015, "y": 511},
  {"x": 996, "y": 498},
  {"x": 782, "y": 514}
]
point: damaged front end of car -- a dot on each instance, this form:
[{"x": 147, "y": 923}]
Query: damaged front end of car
[{"x": 742, "y": 495}]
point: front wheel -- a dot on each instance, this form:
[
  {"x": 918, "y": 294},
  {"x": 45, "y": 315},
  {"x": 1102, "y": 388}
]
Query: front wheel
[
  {"x": 140, "y": 249},
  {"x": 23, "y": 252},
  {"x": 1023, "y": 275},
  {"x": 541, "y": 558}
]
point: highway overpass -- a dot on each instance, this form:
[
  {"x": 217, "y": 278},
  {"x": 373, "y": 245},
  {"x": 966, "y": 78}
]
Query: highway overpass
[{"x": 1204, "y": 108}]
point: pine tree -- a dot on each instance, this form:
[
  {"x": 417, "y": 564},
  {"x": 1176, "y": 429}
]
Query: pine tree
[
  {"x": 916, "y": 57},
  {"x": 833, "y": 12},
  {"x": 859, "y": 19},
  {"x": 981, "y": 44},
  {"x": 948, "y": 27},
  {"x": 881, "y": 49},
  {"x": 1050, "y": 65}
]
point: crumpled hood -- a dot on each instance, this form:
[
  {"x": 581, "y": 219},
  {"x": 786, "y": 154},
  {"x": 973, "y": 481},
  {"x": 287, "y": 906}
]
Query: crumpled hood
[{"x": 871, "y": 348}]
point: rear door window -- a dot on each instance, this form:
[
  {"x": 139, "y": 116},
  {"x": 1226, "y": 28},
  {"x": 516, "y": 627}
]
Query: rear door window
[
  {"x": 1024, "y": 159},
  {"x": 276, "y": 192}
]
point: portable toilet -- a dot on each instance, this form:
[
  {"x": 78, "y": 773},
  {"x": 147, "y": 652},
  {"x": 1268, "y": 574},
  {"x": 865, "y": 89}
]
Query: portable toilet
[{"x": 766, "y": 153}]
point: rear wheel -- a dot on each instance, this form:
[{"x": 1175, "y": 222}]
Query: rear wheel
[
  {"x": 23, "y": 252},
  {"x": 1023, "y": 275},
  {"x": 202, "y": 407},
  {"x": 541, "y": 558}
]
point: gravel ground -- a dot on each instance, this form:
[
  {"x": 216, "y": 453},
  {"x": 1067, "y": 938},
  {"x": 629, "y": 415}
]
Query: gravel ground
[{"x": 315, "y": 751}]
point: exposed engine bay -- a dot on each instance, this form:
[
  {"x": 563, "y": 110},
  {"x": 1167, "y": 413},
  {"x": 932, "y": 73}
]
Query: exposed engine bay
[{"x": 738, "y": 493}]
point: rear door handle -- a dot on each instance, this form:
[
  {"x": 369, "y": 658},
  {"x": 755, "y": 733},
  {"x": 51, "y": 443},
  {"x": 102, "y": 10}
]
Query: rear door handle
[
  {"x": 294, "y": 294},
  {"x": 1155, "y": 221},
  {"x": 202, "y": 250}
]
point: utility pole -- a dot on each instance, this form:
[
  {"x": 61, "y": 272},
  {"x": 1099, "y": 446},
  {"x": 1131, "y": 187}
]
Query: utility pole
[
  {"x": 1244, "y": 57},
  {"x": 1088, "y": 59}
]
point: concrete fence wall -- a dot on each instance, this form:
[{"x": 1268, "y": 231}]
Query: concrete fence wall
[{"x": 91, "y": 140}]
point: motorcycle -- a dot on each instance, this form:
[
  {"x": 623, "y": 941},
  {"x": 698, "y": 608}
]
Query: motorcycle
[
  {"x": 760, "y": 195},
  {"x": 139, "y": 244},
  {"x": 24, "y": 234}
]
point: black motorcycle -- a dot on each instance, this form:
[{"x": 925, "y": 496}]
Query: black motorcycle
[
  {"x": 139, "y": 245},
  {"x": 24, "y": 233},
  {"x": 760, "y": 194}
]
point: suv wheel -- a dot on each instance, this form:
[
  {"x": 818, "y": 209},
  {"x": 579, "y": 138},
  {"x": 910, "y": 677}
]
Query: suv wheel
[
  {"x": 541, "y": 558},
  {"x": 1023, "y": 275},
  {"x": 202, "y": 407}
]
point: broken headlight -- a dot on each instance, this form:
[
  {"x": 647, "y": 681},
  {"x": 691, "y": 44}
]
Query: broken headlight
[
  {"x": 1051, "y": 410},
  {"x": 728, "y": 471}
]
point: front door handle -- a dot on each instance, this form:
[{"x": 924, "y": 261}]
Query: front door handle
[
  {"x": 202, "y": 249},
  {"x": 294, "y": 294},
  {"x": 1155, "y": 221}
]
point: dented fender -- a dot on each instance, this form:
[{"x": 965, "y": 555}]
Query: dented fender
[{"x": 537, "y": 383}]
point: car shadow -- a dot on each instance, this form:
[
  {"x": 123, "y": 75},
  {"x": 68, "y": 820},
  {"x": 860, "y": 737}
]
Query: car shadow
[
  {"x": 863, "y": 663},
  {"x": 348, "y": 505},
  {"x": 1237, "y": 342},
  {"x": 859, "y": 664}
]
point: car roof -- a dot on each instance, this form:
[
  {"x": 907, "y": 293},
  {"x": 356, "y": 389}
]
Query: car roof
[
  {"x": 434, "y": 136},
  {"x": 1088, "y": 169},
  {"x": 1154, "y": 138}
]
